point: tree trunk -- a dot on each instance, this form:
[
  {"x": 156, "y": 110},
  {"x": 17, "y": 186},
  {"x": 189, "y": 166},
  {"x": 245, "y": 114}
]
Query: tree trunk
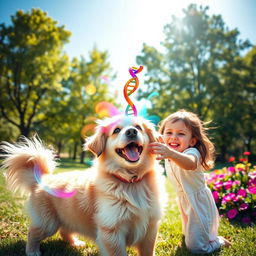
[
  {"x": 223, "y": 152},
  {"x": 82, "y": 152},
  {"x": 24, "y": 131},
  {"x": 59, "y": 145},
  {"x": 75, "y": 150},
  {"x": 82, "y": 157}
]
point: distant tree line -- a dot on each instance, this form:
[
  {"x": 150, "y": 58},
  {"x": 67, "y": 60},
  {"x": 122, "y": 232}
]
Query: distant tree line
[{"x": 204, "y": 67}]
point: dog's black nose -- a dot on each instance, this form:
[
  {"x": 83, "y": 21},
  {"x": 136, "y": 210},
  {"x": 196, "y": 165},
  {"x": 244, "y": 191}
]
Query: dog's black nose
[{"x": 131, "y": 133}]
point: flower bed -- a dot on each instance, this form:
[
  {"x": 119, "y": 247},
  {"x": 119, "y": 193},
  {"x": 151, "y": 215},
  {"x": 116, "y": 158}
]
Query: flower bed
[{"x": 234, "y": 191}]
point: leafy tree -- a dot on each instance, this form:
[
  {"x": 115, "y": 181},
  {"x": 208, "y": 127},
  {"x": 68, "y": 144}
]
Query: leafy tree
[
  {"x": 83, "y": 90},
  {"x": 32, "y": 67},
  {"x": 234, "y": 110},
  {"x": 198, "y": 70},
  {"x": 7, "y": 131},
  {"x": 246, "y": 123},
  {"x": 56, "y": 130}
]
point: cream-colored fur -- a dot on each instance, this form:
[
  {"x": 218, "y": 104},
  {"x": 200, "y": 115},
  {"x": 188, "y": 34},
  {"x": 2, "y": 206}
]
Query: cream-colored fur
[{"x": 112, "y": 212}]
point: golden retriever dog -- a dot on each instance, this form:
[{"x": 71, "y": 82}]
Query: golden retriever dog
[{"x": 118, "y": 201}]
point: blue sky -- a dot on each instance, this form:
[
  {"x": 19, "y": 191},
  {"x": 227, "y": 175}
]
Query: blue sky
[{"x": 122, "y": 26}]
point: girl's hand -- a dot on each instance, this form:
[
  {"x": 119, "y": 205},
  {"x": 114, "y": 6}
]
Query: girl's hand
[
  {"x": 160, "y": 139},
  {"x": 160, "y": 149},
  {"x": 163, "y": 151}
]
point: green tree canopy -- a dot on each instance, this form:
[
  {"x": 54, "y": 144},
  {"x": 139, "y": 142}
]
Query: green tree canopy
[
  {"x": 201, "y": 69},
  {"x": 87, "y": 88},
  {"x": 32, "y": 66},
  {"x": 82, "y": 91}
]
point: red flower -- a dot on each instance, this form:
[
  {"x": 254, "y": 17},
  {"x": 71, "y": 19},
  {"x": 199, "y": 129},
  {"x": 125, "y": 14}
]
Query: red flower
[
  {"x": 243, "y": 159},
  {"x": 231, "y": 159},
  {"x": 247, "y": 153}
]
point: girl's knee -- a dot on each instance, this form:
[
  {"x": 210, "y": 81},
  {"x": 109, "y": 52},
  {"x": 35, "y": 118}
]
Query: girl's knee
[
  {"x": 201, "y": 248},
  {"x": 195, "y": 246}
]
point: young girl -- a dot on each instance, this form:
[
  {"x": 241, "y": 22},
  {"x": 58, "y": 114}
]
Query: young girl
[{"x": 188, "y": 152}]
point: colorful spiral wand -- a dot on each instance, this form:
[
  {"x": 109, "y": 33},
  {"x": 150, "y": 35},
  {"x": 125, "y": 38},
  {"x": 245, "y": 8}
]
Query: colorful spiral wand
[{"x": 130, "y": 87}]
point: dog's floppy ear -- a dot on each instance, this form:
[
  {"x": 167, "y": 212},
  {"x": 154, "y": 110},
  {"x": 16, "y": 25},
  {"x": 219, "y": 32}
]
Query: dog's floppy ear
[
  {"x": 150, "y": 130},
  {"x": 96, "y": 143}
]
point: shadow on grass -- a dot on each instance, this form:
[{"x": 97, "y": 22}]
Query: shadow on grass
[
  {"x": 68, "y": 163},
  {"x": 240, "y": 224},
  {"x": 48, "y": 248},
  {"x": 182, "y": 249},
  {"x": 13, "y": 247}
]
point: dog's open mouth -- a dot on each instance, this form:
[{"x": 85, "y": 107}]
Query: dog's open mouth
[{"x": 130, "y": 152}]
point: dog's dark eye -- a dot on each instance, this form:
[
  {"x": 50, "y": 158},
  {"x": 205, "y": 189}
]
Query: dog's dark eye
[
  {"x": 138, "y": 127},
  {"x": 117, "y": 130}
]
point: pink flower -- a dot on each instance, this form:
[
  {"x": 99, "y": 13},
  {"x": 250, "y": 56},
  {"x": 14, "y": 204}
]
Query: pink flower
[
  {"x": 241, "y": 192},
  {"x": 218, "y": 185},
  {"x": 209, "y": 179},
  {"x": 247, "y": 153},
  {"x": 221, "y": 176},
  {"x": 232, "y": 213},
  {"x": 246, "y": 220},
  {"x": 215, "y": 195},
  {"x": 237, "y": 182},
  {"x": 252, "y": 174},
  {"x": 229, "y": 197},
  {"x": 231, "y": 169},
  {"x": 228, "y": 184},
  {"x": 252, "y": 190},
  {"x": 243, "y": 206},
  {"x": 237, "y": 198},
  {"x": 252, "y": 181}
]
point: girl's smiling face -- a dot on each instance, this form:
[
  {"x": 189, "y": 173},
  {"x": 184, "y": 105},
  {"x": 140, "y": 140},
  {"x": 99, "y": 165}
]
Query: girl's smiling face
[{"x": 177, "y": 136}]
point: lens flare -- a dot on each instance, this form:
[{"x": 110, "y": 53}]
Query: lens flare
[
  {"x": 90, "y": 89},
  {"x": 106, "y": 109}
]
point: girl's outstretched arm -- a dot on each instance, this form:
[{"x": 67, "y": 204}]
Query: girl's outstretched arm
[{"x": 185, "y": 161}]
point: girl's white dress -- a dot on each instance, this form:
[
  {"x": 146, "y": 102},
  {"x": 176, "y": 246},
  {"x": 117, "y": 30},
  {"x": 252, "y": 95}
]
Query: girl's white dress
[{"x": 200, "y": 217}]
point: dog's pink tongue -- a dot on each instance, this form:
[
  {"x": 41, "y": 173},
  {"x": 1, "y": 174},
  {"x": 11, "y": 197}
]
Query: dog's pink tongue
[{"x": 132, "y": 153}]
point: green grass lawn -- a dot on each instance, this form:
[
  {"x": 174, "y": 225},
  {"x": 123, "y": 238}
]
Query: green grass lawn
[{"x": 14, "y": 226}]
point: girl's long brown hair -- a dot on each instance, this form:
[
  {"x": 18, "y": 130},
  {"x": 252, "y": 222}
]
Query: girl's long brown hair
[{"x": 198, "y": 129}]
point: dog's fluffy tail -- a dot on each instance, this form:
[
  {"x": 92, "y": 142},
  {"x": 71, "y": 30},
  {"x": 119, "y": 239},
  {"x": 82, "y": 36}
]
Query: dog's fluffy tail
[{"x": 20, "y": 160}]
